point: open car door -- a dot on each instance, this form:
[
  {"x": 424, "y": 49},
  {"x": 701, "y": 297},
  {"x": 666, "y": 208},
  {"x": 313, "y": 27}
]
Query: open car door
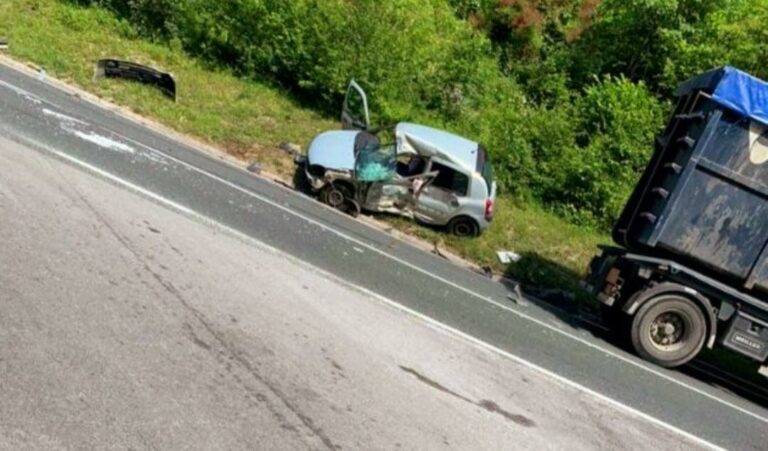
[{"x": 354, "y": 114}]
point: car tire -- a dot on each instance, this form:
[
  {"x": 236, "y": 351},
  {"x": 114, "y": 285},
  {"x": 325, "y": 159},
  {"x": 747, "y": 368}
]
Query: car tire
[
  {"x": 463, "y": 226},
  {"x": 669, "y": 330},
  {"x": 338, "y": 196}
]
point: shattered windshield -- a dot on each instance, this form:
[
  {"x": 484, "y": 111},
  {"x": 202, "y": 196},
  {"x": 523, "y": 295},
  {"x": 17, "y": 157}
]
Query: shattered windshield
[{"x": 376, "y": 163}]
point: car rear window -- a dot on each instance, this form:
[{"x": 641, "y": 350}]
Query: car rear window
[
  {"x": 450, "y": 179},
  {"x": 485, "y": 167}
]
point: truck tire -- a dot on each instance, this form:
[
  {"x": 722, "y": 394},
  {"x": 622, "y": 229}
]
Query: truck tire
[{"x": 669, "y": 330}]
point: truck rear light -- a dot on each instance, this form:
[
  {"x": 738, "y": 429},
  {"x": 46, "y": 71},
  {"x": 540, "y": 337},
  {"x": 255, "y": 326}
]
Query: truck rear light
[{"x": 488, "y": 209}]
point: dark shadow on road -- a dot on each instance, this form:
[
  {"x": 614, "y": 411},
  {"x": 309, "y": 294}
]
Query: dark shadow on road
[{"x": 552, "y": 282}]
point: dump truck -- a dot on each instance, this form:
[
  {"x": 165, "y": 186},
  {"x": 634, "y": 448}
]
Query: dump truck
[{"x": 690, "y": 269}]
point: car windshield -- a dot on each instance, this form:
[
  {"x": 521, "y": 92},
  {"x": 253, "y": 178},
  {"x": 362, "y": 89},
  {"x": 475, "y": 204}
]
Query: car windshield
[{"x": 376, "y": 163}]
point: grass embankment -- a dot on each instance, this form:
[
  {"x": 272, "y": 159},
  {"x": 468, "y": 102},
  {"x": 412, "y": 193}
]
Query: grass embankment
[{"x": 248, "y": 119}]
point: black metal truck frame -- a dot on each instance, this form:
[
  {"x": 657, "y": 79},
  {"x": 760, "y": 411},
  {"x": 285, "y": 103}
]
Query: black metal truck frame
[
  {"x": 692, "y": 267},
  {"x": 625, "y": 282}
]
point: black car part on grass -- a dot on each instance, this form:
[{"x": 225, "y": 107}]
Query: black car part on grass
[{"x": 137, "y": 72}]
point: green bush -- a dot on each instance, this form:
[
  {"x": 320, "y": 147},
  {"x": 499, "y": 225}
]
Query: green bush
[
  {"x": 412, "y": 55},
  {"x": 619, "y": 120},
  {"x": 735, "y": 35},
  {"x": 566, "y": 94}
]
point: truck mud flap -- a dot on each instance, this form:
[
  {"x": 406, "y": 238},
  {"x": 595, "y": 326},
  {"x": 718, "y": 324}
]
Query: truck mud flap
[{"x": 143, "y": 74}]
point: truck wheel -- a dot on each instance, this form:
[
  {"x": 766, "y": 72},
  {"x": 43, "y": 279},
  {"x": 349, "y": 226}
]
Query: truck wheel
[
  {"x": 463, "y": 226},
  {"x": 669, "y": 330}
]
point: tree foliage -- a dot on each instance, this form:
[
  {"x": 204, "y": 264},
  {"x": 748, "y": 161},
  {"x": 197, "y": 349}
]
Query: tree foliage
[{"x": 567, "y": 94}]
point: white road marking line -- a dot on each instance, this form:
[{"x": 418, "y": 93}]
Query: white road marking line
[
  {"x": 92, "y": 137},
  {"x": 103, "y": 141},
  {"x": 63, "y": 117},
  {"x": 438, "y": 325},
  {"x": 504, "y": 307},
  {"x": 27, "y": 95}
]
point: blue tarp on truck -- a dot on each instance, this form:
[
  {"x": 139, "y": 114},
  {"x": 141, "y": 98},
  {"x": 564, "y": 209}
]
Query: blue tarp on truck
[{"x": 733, "y": 89}]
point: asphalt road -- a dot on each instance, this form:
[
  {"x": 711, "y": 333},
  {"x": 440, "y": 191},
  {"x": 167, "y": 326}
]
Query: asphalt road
[
  {"x": 173, "y": 175},
  {"x": 126, "y": 325}
]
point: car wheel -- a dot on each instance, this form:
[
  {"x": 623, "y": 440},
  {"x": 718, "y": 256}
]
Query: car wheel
[
  {"x": 338, "y": 196},
  {"x": 669, "y": 330},
  {"x": 463, "y": 226}
]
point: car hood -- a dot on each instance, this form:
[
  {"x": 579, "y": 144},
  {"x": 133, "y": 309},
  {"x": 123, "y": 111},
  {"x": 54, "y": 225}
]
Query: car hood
[{"x": 333, "y": 150}]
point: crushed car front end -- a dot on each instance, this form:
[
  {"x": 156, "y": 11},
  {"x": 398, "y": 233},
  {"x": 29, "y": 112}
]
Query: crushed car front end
[{"x": 331, "y": 157}]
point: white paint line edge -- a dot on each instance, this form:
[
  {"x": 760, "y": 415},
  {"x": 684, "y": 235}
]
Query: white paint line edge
[
  {"x": 432, "y": 322},
  {"x": 403, "y": 262},
  {"x": 63, "y": 117},
  {"x": 452, "y": 284},
  {"x": 24, "y": 93}
]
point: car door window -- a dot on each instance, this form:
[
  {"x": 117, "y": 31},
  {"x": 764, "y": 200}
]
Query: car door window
[
  {"x": 450, "y": 179},
  {"x": 355, "y": 114}
]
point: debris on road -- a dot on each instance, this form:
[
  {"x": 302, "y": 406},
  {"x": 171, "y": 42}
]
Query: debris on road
[
  {"x": 290, "y": 148},
  {"x": 563, "y": 299},
  {"x": 436, "y": 250},
  {"x": 283, "y": 183},
  {"x": 137, "y": 72},
  {"x": 517, "y": 296},
  {"x": 507, "y": 257},
  {"x": 254, "y": 167},
  {"x": 299, "y": 159}
]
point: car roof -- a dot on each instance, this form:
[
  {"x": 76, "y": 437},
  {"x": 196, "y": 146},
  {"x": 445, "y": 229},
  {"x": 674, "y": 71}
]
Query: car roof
[{"x": 455, "y": 147}]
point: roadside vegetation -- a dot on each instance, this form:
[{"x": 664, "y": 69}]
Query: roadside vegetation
[
  {"x": 567, "y": 95},
  {"x": 250, "y": 116}
]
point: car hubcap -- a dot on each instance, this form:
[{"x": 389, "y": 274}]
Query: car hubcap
[
  {"x": 335, "y": 198},
  {"x": 668, "y": 331},
  {"x": 463, "y": 229}
]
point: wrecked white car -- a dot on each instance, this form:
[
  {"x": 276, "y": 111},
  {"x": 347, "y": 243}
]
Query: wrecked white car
[{"x": 430, "y": 175}]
